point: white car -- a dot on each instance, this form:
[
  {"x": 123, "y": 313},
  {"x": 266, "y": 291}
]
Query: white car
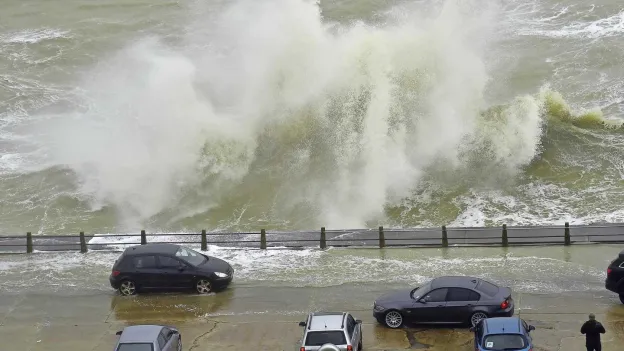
[{"x": 149, "y": 338}]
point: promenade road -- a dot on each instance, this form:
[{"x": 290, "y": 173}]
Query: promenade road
[{"x": 63, "y": 302}]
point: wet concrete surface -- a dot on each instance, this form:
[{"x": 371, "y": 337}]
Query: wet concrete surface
[
  {"x": 267, "y": 319},
  {"x": 54, "y": 301}
]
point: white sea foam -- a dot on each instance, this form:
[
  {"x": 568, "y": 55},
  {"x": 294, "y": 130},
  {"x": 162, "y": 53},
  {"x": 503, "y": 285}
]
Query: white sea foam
[
  {"x": 601, "y": 28},
  {"x": 32, "y": 36}
]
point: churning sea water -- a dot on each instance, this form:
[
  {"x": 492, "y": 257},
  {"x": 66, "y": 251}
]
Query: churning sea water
[{"x": 118, "y": 115}]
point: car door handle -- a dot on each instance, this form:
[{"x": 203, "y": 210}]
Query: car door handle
[{"x": 440, "y": 306}]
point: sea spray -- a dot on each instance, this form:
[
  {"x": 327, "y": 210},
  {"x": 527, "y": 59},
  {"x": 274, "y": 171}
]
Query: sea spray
[{"x": 283, "y": 116}]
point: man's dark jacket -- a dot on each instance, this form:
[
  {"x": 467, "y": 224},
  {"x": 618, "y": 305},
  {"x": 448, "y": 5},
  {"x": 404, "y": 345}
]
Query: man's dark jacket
[{"x": 592, "y": 330}]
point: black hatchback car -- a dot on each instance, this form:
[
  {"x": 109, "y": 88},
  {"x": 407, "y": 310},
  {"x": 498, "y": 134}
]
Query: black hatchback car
[
  {"x": 168, "y": 267},
  {"x": 445, "y": 300},
  {"x": 615, "y": 276}
]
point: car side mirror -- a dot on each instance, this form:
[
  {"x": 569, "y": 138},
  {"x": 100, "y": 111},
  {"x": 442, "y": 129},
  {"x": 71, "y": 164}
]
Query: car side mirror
[
  {"x": 175, "y": 332},
  {"x": 472, "y": 329},
  {"x": 302, "y": 324},
  {"x": 181, "y": 268},
  {"x": 358, "y": 321},
  {"x": 119, "y": 332},
  {"x": 531, "y": 328}
]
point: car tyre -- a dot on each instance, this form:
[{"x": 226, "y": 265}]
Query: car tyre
[
  {"x": 476, "y": 317},
  {"x": 127, "y": 287},
  {"x": 393, "y": 319},
  {"x": 361, "y": 346},
  {"x": 203, "y": 286},
  {"x": 622, "y": 298},
  {"x": 180, "y": 343}
]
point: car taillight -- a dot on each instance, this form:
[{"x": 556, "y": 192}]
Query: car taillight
[
  {"x": 505, "y": 304},
  {"x": 302, "y": 348},
  {"x": 349, "y": 348},
  {"x": 116, "y": 273},
  {"x": 609, "y": 270}
]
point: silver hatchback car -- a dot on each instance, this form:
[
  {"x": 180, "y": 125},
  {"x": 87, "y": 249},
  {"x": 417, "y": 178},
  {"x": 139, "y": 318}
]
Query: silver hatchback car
[
  {"x": 149, "y": 338},
  {"x": 338, "y": 328}
]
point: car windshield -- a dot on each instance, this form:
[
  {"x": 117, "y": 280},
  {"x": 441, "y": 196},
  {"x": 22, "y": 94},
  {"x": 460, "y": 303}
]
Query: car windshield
[
  {"x": 190, "y": 256},
  {"x": 504, "y": 342},
  {"x": 135, "y": 347},
  {"x": 418, "y": 293},
  {"x": 318, "y": 338}
]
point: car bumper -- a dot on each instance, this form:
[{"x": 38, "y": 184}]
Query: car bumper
[
  {"x": 114, "y": 283},
  {"x": 222, "y": 283},
  {"x": 379, "y": 316},
  {"x": 611, "y": 285},
  {"x": 505, "y": 313}
]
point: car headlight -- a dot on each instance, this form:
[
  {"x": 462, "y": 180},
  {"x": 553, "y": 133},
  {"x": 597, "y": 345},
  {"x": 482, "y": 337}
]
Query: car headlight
[
  {"x": 220, "y": 275},
  {"x": 378, "y": 308}
]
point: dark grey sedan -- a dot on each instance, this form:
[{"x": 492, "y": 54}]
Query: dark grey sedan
[
  {"x": 445, "y": 300},
  {"x": 149, "y": 338}
]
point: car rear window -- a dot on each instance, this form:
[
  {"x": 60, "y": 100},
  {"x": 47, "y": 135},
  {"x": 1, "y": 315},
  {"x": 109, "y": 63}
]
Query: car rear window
[
  {"x": 136, "y": 347},
  {"x": 318, "y": 338},
  {"x": 488, "y": 288},
  {"x": 504, "y": 342}
]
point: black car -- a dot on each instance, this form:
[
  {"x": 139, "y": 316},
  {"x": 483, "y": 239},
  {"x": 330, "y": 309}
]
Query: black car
[
  {"x": 615, "y": 276},
  {"x": 168, "y": 267},
  {"x": 445, "y": 300}
]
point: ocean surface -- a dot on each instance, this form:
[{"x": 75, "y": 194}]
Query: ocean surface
[{"x": 120, "y": 115}]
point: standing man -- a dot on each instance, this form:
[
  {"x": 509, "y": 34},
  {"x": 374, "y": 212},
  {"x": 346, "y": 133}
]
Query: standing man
[{"x": 592, "y": 330}]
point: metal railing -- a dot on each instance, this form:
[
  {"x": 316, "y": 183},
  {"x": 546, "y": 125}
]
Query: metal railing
[{"x": 418, "y": 237}]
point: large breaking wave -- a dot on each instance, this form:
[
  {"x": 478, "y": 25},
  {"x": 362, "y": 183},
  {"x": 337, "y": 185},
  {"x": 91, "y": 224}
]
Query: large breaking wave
[{"x": 272, "y": 114}]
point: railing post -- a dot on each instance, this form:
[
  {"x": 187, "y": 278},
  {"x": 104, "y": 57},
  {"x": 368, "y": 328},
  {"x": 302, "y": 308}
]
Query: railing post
[
  {"x": 262, "y": 239},
  {"x": 444, "y": 237},
  {"x": 83, "y": 243},
  {"x": 567, "y": 234},
  {"x": 505, "y": 239},
  {"x": 382, "y": 238},
  {"x": 29, "y": 243},
  {"x": 204, "y": 240},
  {"x": 143, "y": 238},
  {"x": 323, "y": 243}
]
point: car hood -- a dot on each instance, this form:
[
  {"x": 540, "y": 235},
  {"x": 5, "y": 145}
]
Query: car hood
[
  {"x": 398, "y": 296},
  {"x": 215, "y": 265}
]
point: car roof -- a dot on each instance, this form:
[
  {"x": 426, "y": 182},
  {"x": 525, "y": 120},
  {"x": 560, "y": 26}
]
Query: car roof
[
  {"x": 622, "y": 254},
  {"x": 502, "y": 325},
  {"x": 140, "y": 333},
  {"x": 152, "y": 248},
  {"x": 455, "y": 281},
  {"x": 326, "y": 320}
]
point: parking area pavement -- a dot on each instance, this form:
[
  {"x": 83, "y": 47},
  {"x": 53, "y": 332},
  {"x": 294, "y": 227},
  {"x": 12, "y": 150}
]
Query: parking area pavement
[{"x": 267, "y": 319}]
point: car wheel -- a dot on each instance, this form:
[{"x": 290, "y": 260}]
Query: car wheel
[
  {"x": 203, "y": 286},
  {"x": 127, "y": 288},
  {"x": 622, "y": 298},
  {"x": 393, "y": 319},
  {"x": 476, "y": 317}
]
